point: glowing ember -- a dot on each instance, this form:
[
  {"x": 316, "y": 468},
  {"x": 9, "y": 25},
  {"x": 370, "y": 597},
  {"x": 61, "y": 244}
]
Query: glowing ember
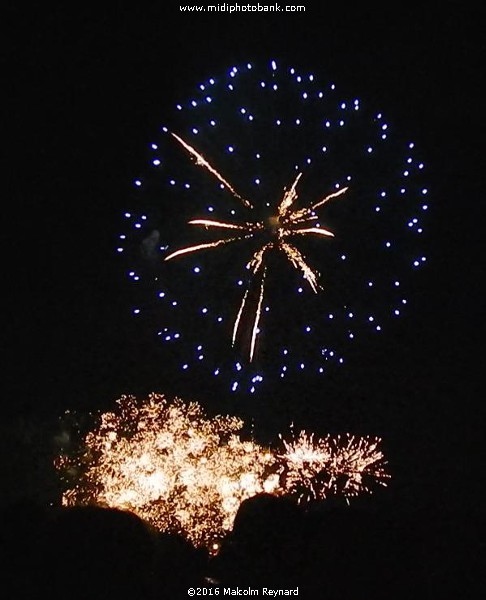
[
  {"x": 186, "y": 473},
  {"x": 286, "y": 223}
]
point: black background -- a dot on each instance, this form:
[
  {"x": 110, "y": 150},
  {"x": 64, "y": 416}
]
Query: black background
[{"x": 83, "y": 91}]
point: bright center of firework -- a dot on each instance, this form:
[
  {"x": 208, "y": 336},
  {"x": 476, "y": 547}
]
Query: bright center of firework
[
  {"x": 288, "y": 222},
  {"x": 273, "y": 225}
]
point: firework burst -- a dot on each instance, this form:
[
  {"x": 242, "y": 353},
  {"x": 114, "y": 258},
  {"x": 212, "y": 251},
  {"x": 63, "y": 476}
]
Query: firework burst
[
  {"x": 287, "y": 185},
  {"x": 174, "y": 467},
  {"x": 344, "y": 465},
  {"x": 288, "y": 222},
  {"x": 186, "y": 473}
]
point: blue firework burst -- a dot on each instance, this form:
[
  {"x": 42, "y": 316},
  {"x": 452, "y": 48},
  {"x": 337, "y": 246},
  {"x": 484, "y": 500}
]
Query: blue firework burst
[{"x": 229, "y": 155}]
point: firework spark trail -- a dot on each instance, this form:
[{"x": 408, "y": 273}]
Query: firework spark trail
[
  {"x": 317, "y": 230},
  {"x": 282, "y": 226},
  {"x": 221, "y": 224},
  {"x": 201, "y": 161},
  {"x": 199, "y": 247},
  {"x": 258, "y": 313},
  {"x": 327, "y": 198},
  {"x": 289, "y": 197},
  {"x": 187, "y": 473},
  {"x": 297, "y": 260},
  {"x": 238, "y": 316}
]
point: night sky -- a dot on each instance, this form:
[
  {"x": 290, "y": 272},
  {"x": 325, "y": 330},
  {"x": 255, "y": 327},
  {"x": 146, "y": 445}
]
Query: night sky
[{"x": 82, "y": 94}]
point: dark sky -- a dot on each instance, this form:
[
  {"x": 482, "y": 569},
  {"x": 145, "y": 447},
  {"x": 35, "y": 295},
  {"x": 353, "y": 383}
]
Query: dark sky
[{"x": 84, "y": 91}]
